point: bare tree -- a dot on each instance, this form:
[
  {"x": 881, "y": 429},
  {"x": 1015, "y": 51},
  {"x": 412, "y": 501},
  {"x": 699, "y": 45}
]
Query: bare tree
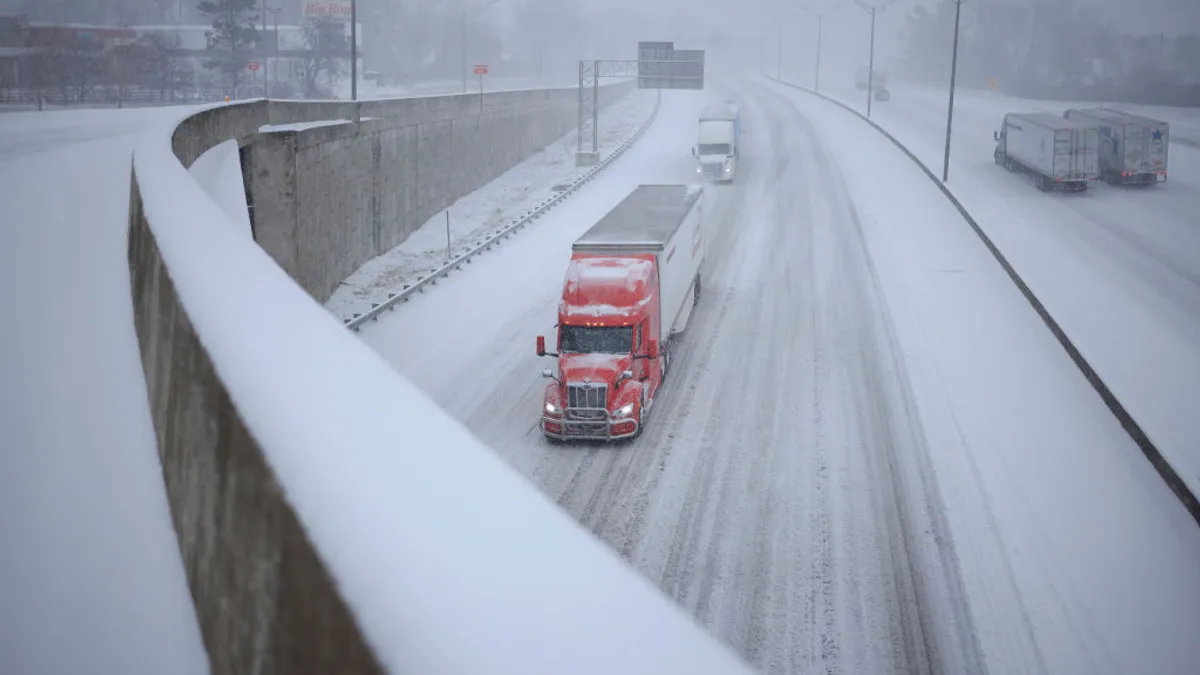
[{"x": 326, "y": 46}]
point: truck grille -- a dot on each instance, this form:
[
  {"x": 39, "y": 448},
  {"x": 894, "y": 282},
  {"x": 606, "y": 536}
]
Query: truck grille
[
  {"x": 713, "y": 169},
  {"x": 587, "y": 401}
]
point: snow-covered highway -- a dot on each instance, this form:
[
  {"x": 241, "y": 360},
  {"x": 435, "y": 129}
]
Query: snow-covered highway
[
  {"x": 1119, "y": 268},
  {"x": 870, "y": 457}
]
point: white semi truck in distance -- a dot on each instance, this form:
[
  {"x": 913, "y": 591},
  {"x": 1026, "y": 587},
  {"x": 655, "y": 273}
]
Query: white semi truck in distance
[
  {"x": 718, "y": 143},
  {"x": 1059, "y": 154}
]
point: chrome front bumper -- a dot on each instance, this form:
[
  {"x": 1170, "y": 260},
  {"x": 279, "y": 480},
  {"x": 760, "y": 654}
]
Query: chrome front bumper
[{"x": 604, "y": 429}]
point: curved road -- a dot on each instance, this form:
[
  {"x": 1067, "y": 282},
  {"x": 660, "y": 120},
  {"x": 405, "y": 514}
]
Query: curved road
[{"x": 763, "y": 495}]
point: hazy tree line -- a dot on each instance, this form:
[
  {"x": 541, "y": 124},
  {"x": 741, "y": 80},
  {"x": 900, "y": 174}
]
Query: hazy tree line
[
  {"x": 155, "y": 66},
  {"x": 403, "y": 40},
  {"x": 1051, "y": 51}
]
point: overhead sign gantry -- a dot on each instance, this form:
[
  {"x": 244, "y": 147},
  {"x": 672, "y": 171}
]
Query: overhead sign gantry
[{"x": 658, "y": 66}]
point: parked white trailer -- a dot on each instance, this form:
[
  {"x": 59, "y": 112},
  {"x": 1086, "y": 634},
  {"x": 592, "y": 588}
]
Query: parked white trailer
[
  {"x": 1058, "y": 153},
  {"x": 1133, "y": 149}
]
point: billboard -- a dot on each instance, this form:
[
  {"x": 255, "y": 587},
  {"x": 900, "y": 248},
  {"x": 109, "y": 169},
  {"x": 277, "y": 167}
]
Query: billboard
[
  {"x": 334, "y": 9},
  {"x": 661, "y": 66}
]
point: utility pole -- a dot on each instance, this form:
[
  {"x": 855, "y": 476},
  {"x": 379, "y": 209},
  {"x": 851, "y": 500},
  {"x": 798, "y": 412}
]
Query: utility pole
[
  {"x": 950, "y": 108},
  {"x": 275, "y": 24},
  {"x": 354, "y": 54}
]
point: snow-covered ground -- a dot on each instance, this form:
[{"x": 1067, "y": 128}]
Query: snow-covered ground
[
  {"x": 870, "y": 453},
  {"x": 37, "y": 131},
  {"x": 490, "y": 83},
  {"x": 479, "y": 214},
  {"x": 1058, "y": 521},
  {"x": 1119, "y": 268},
  {"x": 40, "y": 132},
  {"x": 90, "y": 571}
]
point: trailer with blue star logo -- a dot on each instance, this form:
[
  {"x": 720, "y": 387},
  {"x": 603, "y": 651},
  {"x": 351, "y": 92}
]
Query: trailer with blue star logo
[{"x": 1133, "y": 148}]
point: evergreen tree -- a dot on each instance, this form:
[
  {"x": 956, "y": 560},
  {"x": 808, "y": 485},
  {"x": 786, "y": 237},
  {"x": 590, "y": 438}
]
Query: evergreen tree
[{"x": 233, "y": 38}]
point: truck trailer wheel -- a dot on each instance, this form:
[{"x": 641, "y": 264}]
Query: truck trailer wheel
[{"x": 696, "y": 289}]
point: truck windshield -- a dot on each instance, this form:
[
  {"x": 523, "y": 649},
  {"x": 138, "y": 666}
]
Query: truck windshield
[
  {"x": 596, "y": 339},
  {"x": 714, "y": 149}
]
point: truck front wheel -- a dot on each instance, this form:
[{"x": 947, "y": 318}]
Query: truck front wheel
[{"x": 696, "y": 289}]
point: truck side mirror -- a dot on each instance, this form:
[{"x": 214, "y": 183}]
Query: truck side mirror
[
  {"x": 652, "y": 350},
  {"x": 548, "y": 374},
  {"x": 694, "y": 151},
  {"x": 995, "y": 135},
  {"x": 541, "y": 345}
]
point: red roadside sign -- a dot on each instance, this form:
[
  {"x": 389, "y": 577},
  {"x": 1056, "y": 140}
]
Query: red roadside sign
[
  {"x": 253, "y": 65},
  {"x": 481, "y": 69}
]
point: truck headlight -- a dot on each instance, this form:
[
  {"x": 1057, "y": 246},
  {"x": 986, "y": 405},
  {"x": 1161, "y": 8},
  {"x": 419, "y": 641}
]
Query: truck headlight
[
  {"x": 553, "y": 409},
  {"x": 624, "y": 411}
]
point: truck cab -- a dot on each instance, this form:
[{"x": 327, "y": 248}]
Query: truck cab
[
  {"x": 630, "y": 287},
  {"x": 608, "y": 352},
  {"x": 717, "y": 146}
]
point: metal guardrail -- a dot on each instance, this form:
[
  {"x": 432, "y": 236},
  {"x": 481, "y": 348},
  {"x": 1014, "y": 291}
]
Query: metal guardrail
[{"x": 355, "y": 323}]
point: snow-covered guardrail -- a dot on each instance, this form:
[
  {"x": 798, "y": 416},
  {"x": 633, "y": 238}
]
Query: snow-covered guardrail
[
  {"x": 331, "y": 517},
  {"x": 356, "y": 322},
  {"x": 1174, "y": 482}
]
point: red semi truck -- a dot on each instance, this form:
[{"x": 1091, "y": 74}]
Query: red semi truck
[{"x": 632, "y": 282}]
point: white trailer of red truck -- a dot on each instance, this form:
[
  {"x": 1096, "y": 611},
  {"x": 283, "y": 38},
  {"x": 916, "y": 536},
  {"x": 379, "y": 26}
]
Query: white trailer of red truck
[
  {"x": 630, "y": 286},
  {"x": 1058, "y": 153},
  {"x": 1133, "y": 149}
]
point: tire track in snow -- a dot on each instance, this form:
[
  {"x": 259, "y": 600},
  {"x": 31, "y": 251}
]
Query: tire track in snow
[
  {"x": 937, "y": 618},
  {"x": 756, "y": 496}
]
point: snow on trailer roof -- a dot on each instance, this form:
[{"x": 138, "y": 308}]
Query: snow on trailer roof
[
  {"x": 649, "y": 216},
  {"x": 1118, "y": 116},
  {"x": 719, "y": 111},
  {"x": 1045, "y": 119}
]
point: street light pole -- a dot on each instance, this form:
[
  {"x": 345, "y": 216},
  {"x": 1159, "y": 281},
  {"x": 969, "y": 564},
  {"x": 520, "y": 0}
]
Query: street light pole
[
  {"x": 820, "y": 30},
  {"x": 873, "y": 10},
  {"x": 478, "y": 8},
  {"x": 779, "y": 55},
  {"x": 950, "y": 108},
  {"x": 265, "y": 59},
  {"x": 871, "y": 65},
  {"x": 817, "y": 71}
]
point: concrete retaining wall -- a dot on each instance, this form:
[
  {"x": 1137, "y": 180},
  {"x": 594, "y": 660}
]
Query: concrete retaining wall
[
  {"x": 327, "y": 199},
  {"x": 264, "y": 600}
]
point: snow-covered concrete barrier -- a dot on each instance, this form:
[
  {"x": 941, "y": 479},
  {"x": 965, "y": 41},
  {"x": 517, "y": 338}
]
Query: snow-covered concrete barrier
[
  {"x": 330, "y": 516},
  {"x": 326, "y": 198}
]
